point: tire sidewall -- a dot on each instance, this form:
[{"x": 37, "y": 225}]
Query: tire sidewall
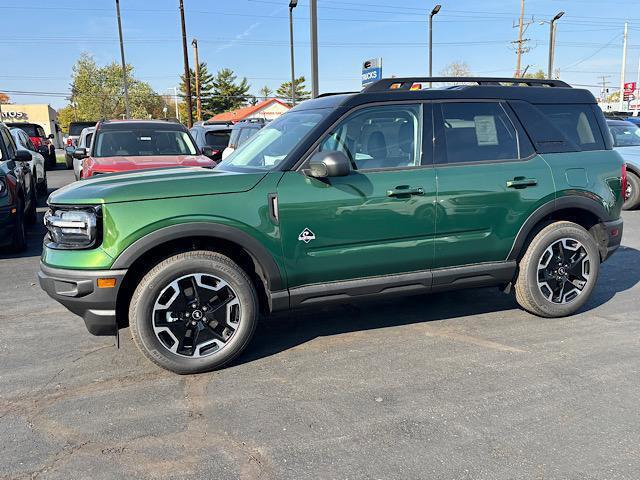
[
  {"x": 156, "y": 281},
  {"x": 633, "y": 201},
  {"x": 577, "y": 233}
]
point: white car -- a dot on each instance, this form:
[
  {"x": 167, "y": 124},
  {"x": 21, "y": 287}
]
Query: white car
[
  {"x": 36, "y": 165},
  {"x": 84, "y": 141}
]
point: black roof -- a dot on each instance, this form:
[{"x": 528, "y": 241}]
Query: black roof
[
  {"x": 619, "y": 122},
  {"x": 531, "y": 90}
]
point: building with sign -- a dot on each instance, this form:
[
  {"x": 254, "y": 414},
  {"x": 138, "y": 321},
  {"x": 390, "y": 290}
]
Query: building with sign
[
  {"x": 40, "y": 113},
  {"x": 268, "y": 109}
]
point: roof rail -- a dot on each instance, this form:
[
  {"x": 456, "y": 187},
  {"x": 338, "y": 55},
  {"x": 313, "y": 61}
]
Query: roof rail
[{"x": 408, "y": 82}]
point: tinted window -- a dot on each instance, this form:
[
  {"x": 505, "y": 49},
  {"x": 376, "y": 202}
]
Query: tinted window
[
  {"x": 379, "y": 137},
  {"x": 29, "y": 130},
  {"x": 87, "y": 142},
  {"x": 143, "y": 143},
  {"x": 8, "y": 142},
  {"x": 75, "y": 128},
  {"x": 475, "y": 132},
  {"x": 577, "y": 122},
  {"x": 233, "y": 139},
  {"x": 40, "y": 131},
  {"x": 218, "y": 138},
  {"x": 245, "y": 134}
]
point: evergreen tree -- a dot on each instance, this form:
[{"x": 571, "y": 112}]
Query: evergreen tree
[
  {"x": 228, "y": 92},
  {"x": 206, "y": 90},
  {"x": 284, "y": 91},
  {"x": 265, "y": 92}
]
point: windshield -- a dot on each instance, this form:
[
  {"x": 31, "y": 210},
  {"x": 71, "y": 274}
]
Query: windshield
[
  {"x": 138, "y": 142},
  {"x": 271, "y": 145},
  {"x": 625, "y": 135},
  {"x": 29, "y": 130},
  {"x": 218, "y": 139}
]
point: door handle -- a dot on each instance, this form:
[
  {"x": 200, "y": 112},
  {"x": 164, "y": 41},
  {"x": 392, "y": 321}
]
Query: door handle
[
  {"x": 403, "y": 190},
  {"x": 521, "y": 182}
]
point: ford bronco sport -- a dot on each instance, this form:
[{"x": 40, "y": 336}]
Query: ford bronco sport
[{"x": 394, "y": 190}]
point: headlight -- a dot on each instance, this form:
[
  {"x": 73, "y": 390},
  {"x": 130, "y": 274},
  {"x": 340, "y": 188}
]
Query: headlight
[{"x": 72, "y": 228}]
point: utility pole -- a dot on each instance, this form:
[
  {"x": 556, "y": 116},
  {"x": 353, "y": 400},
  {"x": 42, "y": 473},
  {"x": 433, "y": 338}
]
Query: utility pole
[
  {"x": 124, "y": 65},
  {"x": 520, "y": 27},
  {"x": 194, "y": 42},
  {"x": 292, "y": 4},
  {"x": 435, "y": 10},
  {"x": 624, "y": 67},
  {"x": 187, "y": 73},
  {"x": 637, "y": 91},
  {"x": 313, "y": 10},
  {"x": 603, "y": 92},
  {"x": 175, "y": 99},
  {"x": 552, "y": 42}
]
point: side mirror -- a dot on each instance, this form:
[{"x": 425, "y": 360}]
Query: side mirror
[
  {"x": 209, "y": 152},
  {"x": 329, "y": 164},
  {"x": 22, "y": 156},
  {"x": 80, "y": 153},
  {"x": 51, "y": 136}
]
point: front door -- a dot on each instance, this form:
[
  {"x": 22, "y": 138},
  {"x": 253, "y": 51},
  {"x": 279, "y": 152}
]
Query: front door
[
  {"x": 378, "y": 220},
  {"x": 489, "y": 181}
]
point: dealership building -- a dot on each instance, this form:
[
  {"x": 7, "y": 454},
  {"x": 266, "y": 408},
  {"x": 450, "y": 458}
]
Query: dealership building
[{"x": 40, "y": 113}]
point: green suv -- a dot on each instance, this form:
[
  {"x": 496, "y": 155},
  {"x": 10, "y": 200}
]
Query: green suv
[{"x": 394, "y": 190}]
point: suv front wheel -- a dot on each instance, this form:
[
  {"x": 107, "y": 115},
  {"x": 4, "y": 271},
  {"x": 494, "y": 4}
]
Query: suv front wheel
[
  {"x": 193, "y": 312},
  {"x": 558, "y": 271}
]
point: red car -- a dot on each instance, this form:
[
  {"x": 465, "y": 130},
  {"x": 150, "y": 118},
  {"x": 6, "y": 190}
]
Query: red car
[
  {"x": 39, "y": 139},
  {"x": 125, "y": 145}
]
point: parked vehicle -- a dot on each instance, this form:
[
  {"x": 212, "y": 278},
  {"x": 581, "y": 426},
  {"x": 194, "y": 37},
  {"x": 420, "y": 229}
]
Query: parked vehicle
[
  {"x": 84, "y": 141},
  {"x": 17, "y": 193},
  {"x": 241, "y": 133},
  {"x": 37, "y": 163},
  {"x": 75, "y": 129},
  {"x": 634, "y": 120},
  {"x": 626, "y": 140},
  {"x": 41, "y": 141},
  {"x": 393, "y": 190},
  {"x": 125, "y": 145},
  {"x": 214, "y": 135}
]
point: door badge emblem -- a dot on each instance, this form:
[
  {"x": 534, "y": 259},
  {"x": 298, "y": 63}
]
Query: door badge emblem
[{"x": 306, "y": 236}]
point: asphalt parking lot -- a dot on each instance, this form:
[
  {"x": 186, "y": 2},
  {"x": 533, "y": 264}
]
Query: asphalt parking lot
[{"x": 461, "y": 385}]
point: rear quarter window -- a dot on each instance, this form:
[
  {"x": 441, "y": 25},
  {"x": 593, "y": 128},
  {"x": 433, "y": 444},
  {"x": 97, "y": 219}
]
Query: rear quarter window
[{"x": 577, "y": 122}]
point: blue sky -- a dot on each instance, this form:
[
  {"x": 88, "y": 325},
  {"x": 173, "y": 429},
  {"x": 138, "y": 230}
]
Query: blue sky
[{"x": 42, "y": 39}]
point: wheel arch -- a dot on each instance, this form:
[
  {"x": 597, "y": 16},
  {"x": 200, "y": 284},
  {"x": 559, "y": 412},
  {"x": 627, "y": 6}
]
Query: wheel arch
[
  {"x": 242, "y": 248},
  {"x": 582, "y": 210}
]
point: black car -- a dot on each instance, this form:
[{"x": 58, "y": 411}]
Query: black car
[
  {"x": 212, "y": 134},
  {"x": 17, "y": 193}
]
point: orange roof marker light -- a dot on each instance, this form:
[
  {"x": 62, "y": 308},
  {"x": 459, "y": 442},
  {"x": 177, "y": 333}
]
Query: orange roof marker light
[
  {"x": 416, "y": 86},
  {"x": 395, "y": 86}
]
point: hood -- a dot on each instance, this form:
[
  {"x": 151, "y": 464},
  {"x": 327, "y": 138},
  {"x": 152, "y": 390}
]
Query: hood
[
  {"x": 154, "y": 184},
  {"x": 124, "y": 163}
]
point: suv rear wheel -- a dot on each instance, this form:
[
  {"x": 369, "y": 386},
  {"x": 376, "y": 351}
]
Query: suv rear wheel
[
  {"x": 194, "y": 312},
  {"x": 558, "y": 271},
  {"x": 632, "y": 195}
]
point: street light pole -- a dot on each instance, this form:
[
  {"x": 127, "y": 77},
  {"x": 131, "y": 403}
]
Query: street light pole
[
  {"x": 187, "y": 73},
  {"x": 435, "y": 10},
  {"x": 292, "y": 4},
  {"x": 313, "y": 10},
  {"x": 124, "y": 65},
  {"x": 194, "y": 42},
  {"x": 552, "y": 42}
]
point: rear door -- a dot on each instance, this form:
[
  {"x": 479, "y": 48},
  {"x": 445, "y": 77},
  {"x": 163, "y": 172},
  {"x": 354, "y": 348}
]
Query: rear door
[
  {"x": 378, "y": 220},
  {"x": 489, "y": 181}
]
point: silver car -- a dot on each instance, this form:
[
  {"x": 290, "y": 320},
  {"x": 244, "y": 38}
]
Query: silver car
[
  {"x": 626, "y": 140},
  {"x": 37, "y": 164},
  {"x": 84, "y": 141}
]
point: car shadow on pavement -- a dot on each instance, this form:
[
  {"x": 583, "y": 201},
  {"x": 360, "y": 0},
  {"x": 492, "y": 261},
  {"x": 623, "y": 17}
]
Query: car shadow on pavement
[{"x": 287, "y": 330}]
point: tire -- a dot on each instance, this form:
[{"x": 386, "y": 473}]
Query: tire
[
  {"x": 43, "y": 186},
  {"x": 31, "y": 215},
  {"x": 50, "y": 162},
  {"x": 19, "y": 240},
  {"x": 158, "y": 286},
  {"x": 533, "y": 285},
  {"x": 633, "y": 189}
]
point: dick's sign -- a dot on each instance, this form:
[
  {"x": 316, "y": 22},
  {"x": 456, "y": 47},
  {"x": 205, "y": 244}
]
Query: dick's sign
[{"x": 371, "y": 71}]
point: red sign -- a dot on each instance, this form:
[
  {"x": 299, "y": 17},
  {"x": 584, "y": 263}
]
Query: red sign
[{"x": 629, "y": 87}]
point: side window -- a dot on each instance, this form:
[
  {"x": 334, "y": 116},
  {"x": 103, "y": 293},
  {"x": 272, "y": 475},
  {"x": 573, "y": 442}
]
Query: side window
[
  {"x": 245, "y": 134},
  {"x": 233, "y": 139},
  {"x": 41, "y": 133},
  {"x": 87, "y": 141},
  {"x": 8, "y": 142},
  {"x": 577, "y": 122},
  {"x": 478, "y": 131},
  {"x": 388, "y": 136}
]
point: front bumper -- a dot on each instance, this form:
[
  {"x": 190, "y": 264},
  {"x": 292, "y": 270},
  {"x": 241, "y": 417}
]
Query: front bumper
[
  {"x": 78, "y": 291},
  {"x": 612, "y": 237}
]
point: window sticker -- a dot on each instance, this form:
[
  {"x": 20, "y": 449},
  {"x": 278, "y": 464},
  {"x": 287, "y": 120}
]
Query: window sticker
[{"x": 486, "y": 131}]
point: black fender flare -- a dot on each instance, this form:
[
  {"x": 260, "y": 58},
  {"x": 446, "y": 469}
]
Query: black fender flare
[
  {"x": 570, "y": 201},
  {"x": 204, "y": 229},
  {"x": 633, "y": 169}
]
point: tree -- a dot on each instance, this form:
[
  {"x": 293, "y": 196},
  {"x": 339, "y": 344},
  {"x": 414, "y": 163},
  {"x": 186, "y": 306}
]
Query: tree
[
  {"x": 4, "y": 98},
  {"x": 97, "y": 92},
  {"x": 228, "y": 93},
  {"x": 456, "y": 69},
  {"x": 284, "y": 91},
  {"x": 538, "y": 74},
  {"x": 206, "y": 89},
  {"x": 265, "y": 92}
]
